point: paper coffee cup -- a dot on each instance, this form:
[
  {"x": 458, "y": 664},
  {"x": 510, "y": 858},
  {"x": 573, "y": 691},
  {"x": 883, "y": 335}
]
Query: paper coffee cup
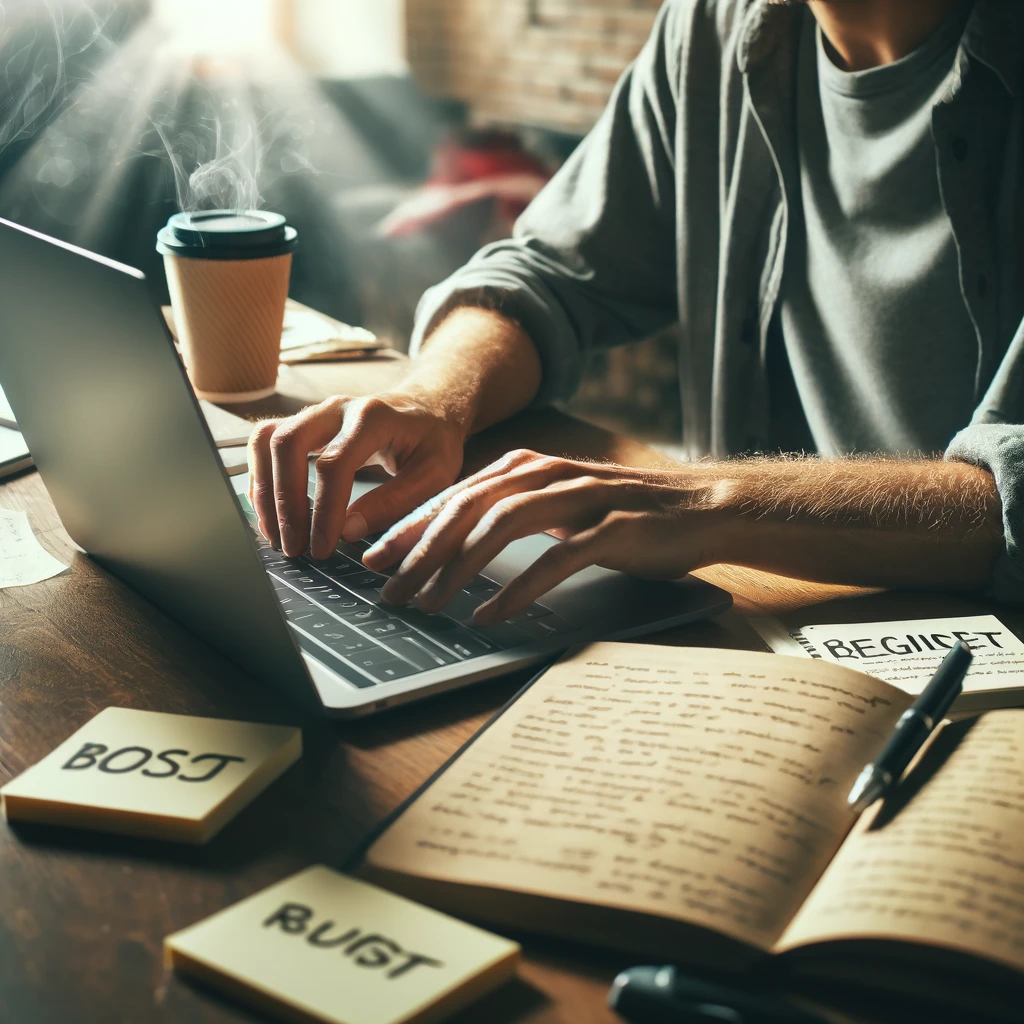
[{"x": 227, "y": 273}]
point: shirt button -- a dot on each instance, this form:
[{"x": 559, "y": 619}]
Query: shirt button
[
  {"x": 982, "y": 286},
  {"x": 961, "y": 148}
]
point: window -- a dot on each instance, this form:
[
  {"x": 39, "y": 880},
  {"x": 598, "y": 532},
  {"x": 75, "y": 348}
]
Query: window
[{"x": 349, "y": 38}]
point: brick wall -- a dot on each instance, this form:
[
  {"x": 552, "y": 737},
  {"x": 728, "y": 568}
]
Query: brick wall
[{"x": 546, "y": 63}]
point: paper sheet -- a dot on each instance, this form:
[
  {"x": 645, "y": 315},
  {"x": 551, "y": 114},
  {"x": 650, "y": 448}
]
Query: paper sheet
[
  {"x": 228, "y": 429},
  {"x": 12, "y": 446},
  {"x": 907, "y": 653},
  {"x": 23, "y": 560},
  {"x": 6, "y": 412}
]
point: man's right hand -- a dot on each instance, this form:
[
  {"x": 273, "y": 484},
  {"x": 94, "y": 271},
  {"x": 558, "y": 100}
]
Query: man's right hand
[{"x": 420, "y": 445}]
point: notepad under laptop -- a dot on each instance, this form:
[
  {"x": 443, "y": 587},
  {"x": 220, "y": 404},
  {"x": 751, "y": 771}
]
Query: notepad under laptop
[{"x": 689, "y": 805}]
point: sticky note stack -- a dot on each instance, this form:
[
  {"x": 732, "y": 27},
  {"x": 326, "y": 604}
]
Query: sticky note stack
[
  {"x": 321, "y": 946},
  {"x": 149, "y": 774}
]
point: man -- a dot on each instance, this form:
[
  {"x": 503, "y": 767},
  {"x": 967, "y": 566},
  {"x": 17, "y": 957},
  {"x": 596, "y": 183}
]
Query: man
[{"x": 825, "y": 197}]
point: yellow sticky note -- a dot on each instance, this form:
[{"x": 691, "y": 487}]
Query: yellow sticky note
[
  {"x": 145, "y": 773},
  {"x": 321, "y": 946}
]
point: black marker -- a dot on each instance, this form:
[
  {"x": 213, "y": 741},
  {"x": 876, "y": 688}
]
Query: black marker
[
  {"x": 661, "y": 995},
  {"x": 916, "y": 724}
]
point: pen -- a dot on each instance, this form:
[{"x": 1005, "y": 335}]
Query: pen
[
  {"x": 916, "y": 724},
  {"x": 661, "y": 995}
]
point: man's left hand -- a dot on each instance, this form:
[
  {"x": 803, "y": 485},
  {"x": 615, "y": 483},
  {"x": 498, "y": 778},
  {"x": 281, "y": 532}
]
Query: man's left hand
[{"x": 653, "y": 524}]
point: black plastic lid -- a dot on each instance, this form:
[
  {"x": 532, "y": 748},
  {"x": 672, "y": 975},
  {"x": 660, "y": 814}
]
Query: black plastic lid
[{"x": 227, "y": 235}]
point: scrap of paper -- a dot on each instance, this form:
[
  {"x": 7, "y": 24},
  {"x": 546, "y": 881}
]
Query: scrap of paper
[
  {"x": 6, "y": 412},
  {"x": 907, "y": 653},
  {"x": 23, "y": 560}
]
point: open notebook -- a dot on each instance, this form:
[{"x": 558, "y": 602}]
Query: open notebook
[{"x": 690, "y": 805}]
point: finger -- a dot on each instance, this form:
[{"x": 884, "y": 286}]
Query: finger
[
  {"x": 518, "y": 472},
  {"x": 366, "y": 430},
  {"x": 555, "y": 566},
  {"x": 414, "y": 483},
  {"x": 399, "y": 540},
  {"x": 261, "y": 480},
  {"x": 445, "y": 534},
  {"x": 509, "y": 520},
  {"x": 290, "y": 445}
]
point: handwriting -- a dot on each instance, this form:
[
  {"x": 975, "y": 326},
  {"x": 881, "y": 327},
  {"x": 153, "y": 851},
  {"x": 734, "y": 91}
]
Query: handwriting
[
  {"x": 683, "y": 782},
  {"x": 944, "y": 863}
]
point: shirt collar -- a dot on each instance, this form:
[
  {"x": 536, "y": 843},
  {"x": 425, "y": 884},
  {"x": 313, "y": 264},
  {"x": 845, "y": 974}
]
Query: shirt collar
[
  {"x": 994, "y": 36},
  {"x": 764, "y": 25}
]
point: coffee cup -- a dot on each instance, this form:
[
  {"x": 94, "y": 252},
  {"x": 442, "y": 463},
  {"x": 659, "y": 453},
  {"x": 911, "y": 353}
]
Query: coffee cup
[{"x": 227, "y": 273}]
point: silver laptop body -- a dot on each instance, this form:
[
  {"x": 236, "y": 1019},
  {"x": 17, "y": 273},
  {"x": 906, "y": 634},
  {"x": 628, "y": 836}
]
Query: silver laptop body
[{"x": 102, "y": 398}]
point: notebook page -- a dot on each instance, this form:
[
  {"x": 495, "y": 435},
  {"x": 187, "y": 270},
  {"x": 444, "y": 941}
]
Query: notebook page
[
  {"x": 943, "y": 861},
  {"x": 701, "y": 785}
]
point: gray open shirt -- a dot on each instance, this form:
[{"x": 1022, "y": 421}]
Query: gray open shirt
[{"x": 674, "y": 208}]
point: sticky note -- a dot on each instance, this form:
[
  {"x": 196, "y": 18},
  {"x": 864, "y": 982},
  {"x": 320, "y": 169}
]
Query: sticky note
[
  {"x": 321, "y": 946},
  {"x": 145, "y": 773}
]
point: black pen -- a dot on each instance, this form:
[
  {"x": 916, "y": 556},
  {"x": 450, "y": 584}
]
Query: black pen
[
  {"x": 916, "y": 724},
  {"x": 662, "y": 995}
]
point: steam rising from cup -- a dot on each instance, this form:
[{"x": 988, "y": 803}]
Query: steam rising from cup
[{"x": 228, "y": 112}]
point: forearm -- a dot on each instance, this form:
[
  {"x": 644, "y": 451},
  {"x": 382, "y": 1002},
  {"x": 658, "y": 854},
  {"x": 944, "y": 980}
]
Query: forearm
[
  {"x": 477, "y": 367},
  {"x": 872, "y": 522}
]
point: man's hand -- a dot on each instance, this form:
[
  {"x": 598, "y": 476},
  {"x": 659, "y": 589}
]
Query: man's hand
[
  {"x": 418, "y": 445},
  {"x": 477, "y": 368},
  {"x": 658, "y": 525},
  {"x": 872, "y": 522}
]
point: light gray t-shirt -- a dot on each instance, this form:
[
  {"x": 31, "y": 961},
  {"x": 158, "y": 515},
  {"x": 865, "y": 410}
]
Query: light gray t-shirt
[{"x": 881, "y": 347}]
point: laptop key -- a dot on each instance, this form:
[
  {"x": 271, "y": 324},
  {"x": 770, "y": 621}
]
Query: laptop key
[
  {"x": 383, "y": 665},
  {"x": 535, "y": 611},
  {"x": 467, "y": 644},
  {"x": 397, "y": 669},
  {"x": 483, "y": 589},
  {"x": 348, "y": 643},
  {"x": 339, "y": 568},
  {"x": 363, "y": 614},
  {"x": 505, "y": 635},
  {"x": 385, "y": 628},
  {"x": 295, "y": 604},
  {"x": 420, "y": 651},
  {"x": 366, "y": 580},
  {"x": 340, "y": 602},
  {"x": 353, "y": 551},
  {"x": 462, "y": 606},
  {"x": 427, "y": 623},
  {"x": 348, "y": 646},
  {"x": 343, "y": 668},
  {"x": 549, "y": 625}
]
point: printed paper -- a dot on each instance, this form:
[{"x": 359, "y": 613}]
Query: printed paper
[{"x": 907, "y": 653}]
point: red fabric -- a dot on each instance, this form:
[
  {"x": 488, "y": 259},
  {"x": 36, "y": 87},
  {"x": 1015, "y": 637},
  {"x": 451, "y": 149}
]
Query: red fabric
[{"x": 463, "y": 174}]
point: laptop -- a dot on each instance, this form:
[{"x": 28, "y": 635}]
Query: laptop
[{"x": 116, "y": 432}]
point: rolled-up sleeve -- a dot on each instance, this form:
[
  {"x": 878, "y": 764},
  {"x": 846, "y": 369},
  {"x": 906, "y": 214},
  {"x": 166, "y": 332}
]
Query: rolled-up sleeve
[
  {"x": 592, "y": 261},
  {"x": 999, "y": 448}
]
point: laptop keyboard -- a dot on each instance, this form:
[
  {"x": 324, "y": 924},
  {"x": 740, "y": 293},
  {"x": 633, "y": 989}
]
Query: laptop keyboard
[{"x": 335, "y": 611}]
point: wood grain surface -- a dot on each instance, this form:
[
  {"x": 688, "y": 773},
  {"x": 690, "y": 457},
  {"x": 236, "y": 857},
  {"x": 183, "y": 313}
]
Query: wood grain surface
[{"x": 83, "y": 916}]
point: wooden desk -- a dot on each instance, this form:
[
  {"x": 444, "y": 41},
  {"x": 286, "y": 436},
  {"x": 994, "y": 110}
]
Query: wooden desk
[{"x": 83, "y": 916}]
